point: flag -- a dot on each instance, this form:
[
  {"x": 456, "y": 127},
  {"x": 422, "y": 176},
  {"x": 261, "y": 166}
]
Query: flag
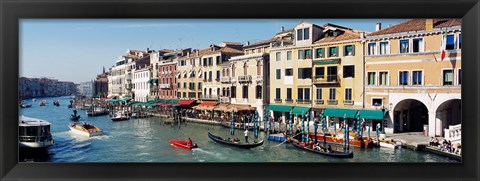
[{"x": 442, "y": 46}]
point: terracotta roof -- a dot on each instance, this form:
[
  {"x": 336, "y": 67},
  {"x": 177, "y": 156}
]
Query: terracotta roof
[
  {"x": 347, "y": 34},
  {"x": 417, "y": 25},
  {"x": 232, "y": 43}
]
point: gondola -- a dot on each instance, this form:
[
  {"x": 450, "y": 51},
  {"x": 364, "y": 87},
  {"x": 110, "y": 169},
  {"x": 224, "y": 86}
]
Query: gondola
[
  {"x": 74, "y": 118},
  {"x": 70, "y": 106},
  {"x": 236, "y": 144},
  {"x": 332, "y": 153},
  {"x": 25, "y": 105}
]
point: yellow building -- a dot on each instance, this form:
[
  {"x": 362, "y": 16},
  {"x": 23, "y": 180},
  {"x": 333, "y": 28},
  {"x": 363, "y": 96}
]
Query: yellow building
[
  {"x": 406, "y": 76},
  {"x": 189, "y": 76}
]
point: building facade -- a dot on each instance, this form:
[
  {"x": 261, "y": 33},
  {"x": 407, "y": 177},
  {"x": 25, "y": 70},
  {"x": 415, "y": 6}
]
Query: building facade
[
  {"x": 141, "y": 85},
  {"x": 86, "y": 89},
  {"x": 100, "y": 85},
  {"x": 168, "y": 74},
  {"x": 189, "y": 76},
  {"x": 406, "y": 75},
  {"x": 155, "y": 58},
  {"x": 120, "y": 75},
  {"x": 44, "y": 87}
]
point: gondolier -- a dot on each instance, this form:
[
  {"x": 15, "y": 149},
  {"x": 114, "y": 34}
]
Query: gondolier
[{"x": 246, "y": 135}]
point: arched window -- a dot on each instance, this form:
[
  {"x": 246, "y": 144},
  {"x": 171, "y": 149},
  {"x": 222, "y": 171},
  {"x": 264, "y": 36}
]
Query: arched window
[
  {"x": 245, "y": 67},
  {"x": 210, "y": 91},
  {"x": 259, "y": 68},
  {"x": 233, "y": 70}
]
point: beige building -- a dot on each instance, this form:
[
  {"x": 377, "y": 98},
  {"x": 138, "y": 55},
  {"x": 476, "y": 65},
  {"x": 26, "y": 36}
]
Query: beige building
[
  {"x": 406, "y": 76},
  {"x": 155, "y": 58},
  {"x": 189, "y": 76}
]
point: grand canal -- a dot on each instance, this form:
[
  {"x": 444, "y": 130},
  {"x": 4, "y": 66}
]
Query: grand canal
[{"x": 146, "y": 140}]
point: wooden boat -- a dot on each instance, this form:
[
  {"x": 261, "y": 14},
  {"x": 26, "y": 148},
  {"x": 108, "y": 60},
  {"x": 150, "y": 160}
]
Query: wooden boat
[
  {"x": 85, "y": 129},
  {"x": 182, "y": 144},
  {"x": 70, "y": 106},
  {"x": 42, "y": 103},
  {"x": 56, "y": 103},
  {"x": 237, "y": 144},
  {"x": 74, "y": 118},
  {"x": 25, "y": 105},
  {"x": 354, "y": 141},
  {"x": 324, "y": 151}
]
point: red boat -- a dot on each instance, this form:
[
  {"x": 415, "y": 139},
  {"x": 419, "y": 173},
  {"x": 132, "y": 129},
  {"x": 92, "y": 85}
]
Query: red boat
[
  {"x": 356, "y": 142},
  {"x": 182, "y": 144}
]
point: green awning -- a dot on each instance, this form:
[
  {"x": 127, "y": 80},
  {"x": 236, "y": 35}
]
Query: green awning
[
  {"x": 300, "y": 110},
  {"x": 372, "y": 114},
  {"x": 126, "y": 99},
  {"x": 326, "y": 62},
  {"x": 113, "y": 100},
  {"x": 337, "y": 112},
  {"x": 279, "y": 108},
  {"x": 173, "y": 101},
  {"x": 162, "y": 101}
]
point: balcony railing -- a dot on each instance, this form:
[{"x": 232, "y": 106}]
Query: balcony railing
[
  {"x": 304, "y": 101},
  {"x": 329, "y": 79},
  {"x": 348, "y": 102},
  {"x": 278, "y": 100},
  {"x": 225, "y": 100},
  {"x": 332, "y": 102},
  {"x": 244, "y": 78},
  {"x": 209, "y": 97},
  {"x": 258, "y": 78},
  {"x": 153, "y": 88},
  {"x": 319, "y": 101},
  {"x": 225, "y": 79},
  {"x": 288, "y": 100},
  {"x": 453, "y": 133},
  {"x": 164, "y": 86}
]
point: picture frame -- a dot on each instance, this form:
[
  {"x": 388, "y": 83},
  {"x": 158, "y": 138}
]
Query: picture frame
[{"x": 13, "y": 11}]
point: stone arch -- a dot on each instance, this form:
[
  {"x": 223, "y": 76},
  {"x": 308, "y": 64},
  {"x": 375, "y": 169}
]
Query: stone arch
[
  {"x": 410, "y": 115},
  {"x": 447, "y": 113}
]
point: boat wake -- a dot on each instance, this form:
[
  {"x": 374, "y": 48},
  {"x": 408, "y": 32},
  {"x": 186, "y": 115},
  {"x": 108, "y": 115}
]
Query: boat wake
[
  {"x": 207, "y": 152},
  {"x": 101, "y": 137}
]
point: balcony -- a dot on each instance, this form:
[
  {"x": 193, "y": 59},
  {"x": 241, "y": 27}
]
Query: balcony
[
  {"x": 258, "y": 78},
  {"x": 209, "y": 97},
  {"x": 244, "y": 78},
  {"x": 153, "y": 88},
  {"x": 128, "y": 86},
  {"x": 225, "y": 80},
  {"x": 332, "y": 102},
  {"x": 191, "y": 88},
  {"x": 289, "y": 100},
  {"x": 304, "y": 101},
  {"x": 225, "y": 100},
  {"x": 348, "y": 102},
  {"x": 278, "y": 100},
  {"x": 329, "y": 79},
  {"x": 164, "y": 86},
  {"x": 319, "y": 101}
]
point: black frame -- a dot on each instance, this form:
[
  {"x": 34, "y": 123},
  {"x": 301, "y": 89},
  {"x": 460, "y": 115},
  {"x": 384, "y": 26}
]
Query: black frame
[{"x": 12, "y": 11}]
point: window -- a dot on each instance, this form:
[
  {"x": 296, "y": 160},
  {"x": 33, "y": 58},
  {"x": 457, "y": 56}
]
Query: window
[
  {"x": 277, "y": 93},
  {"x": 403, "y": 78},
  {"x": 304, "y": 73},
  {"x": 320, "y": 53},
  {"x": 349, "y": 71},
  {"x": 383, "y": 78},
  {"x": 258, "y": 92},
  {"x": 349, "y": 50},
  {"x": 450, "y": 42},
  {"x": 289, "y": 55},
  {"x": 289, "y": 72},
  {"x": 371, "y": 78},
  {"x": 377, "y": 102},
  {"x": 308, "y": 54},
  {"x": 303, "y": 94},
  {"x": 331, "y": 73},
  {"x": 300, "y": 34},
  {"x": 289, "y": 93},
  {"x": 459, "y": 41},
  {"x": 301, "y": 54},
  {"x": 371, "y": 48},
  {"x": 277, "y": 56},
  {"x": 278, "y": 74},
  {"x": 460, "y": 76},
  {"x": 234, "y": 92},
  {"x": 448, "y": 77},
  {"x": 417, "y": 45},
  {"x": 245, "y": 92},
  {"x": 217, "y": 60},
  {"x": 184, "y": 85},
  {"x": 210, "y": 76},
  {"x": 218, "y": 75},
  {"x": 319, "y": 94},
  {"x": 320, "y": 72},
  {"x": 178, "y": 85},
  {"x": 417, "y": 77},
  {"x": 306, "y": 33},
  {"x": 348, "y": 94},
  {"x": 404, "y": 46},
  {"x": 333, "y": 52},
  {"x": 199, "y": 86},
  {"x": 383, "y": 48},
  {"x": 332, "y": 94}
]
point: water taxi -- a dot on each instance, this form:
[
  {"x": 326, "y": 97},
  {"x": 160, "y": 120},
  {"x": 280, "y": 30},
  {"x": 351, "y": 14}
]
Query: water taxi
[
  {"x": 120, "y": 117},
  {"x": 85, "y": 129},
  {"x": 34, "y": 133}
]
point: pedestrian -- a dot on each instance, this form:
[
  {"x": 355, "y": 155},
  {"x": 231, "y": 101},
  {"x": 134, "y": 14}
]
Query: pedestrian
[
  {"x": 246, "y": 135},
  {"x": 432, "y": 141},
  {"x": 189, "y": 142}
]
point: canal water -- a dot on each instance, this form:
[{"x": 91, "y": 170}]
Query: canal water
[{"x": 146, "y": 140}]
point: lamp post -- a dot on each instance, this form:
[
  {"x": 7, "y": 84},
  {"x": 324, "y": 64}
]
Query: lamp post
[{"x": 383, "y": 119}]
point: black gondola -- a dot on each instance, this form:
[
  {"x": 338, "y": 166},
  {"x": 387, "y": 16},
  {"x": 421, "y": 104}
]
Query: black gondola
[
  {"x": 332, "y": 153},
  {"x": 238, "y": 144},
  {"x": 25, "y": 105},
  {"x": 70, "y": 106},
  {"x": 74, "y": 118}
]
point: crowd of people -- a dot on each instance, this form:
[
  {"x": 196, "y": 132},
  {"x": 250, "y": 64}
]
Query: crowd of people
[{"x": 446, "y": 146}]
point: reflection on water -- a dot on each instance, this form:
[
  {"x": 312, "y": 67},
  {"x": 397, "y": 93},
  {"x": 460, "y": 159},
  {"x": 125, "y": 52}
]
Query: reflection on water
[{"x": 146, "y": 140}]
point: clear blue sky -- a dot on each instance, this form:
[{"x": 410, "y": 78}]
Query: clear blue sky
[{"x": 77, "y": 50}]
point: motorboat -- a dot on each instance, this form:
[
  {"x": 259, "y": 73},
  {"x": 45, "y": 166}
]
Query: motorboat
[
  {"x": 43, "y": 103},
  {"x": 182, "y": 144},
  {"x": 85, "y": 129},
  {"x": 25, "y": 105},
  {"x": 120, "y": 117},
  {"x": 34, "y": 133}
]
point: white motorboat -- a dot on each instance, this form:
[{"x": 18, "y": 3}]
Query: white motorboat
[
  {"x": 85, "y": 129},
  {"x": 34, "y": 133}
]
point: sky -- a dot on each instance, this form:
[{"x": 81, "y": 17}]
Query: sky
[{"x": 77, "y": 50}]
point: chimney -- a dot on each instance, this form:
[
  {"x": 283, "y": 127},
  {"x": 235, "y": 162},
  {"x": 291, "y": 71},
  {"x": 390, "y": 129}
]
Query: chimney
[
  {"x": 429, "y": 24},
  {"x": 378, "y": 26},
  {"x": 283, "y": 29},
  {"x": 248, "y": 43}
]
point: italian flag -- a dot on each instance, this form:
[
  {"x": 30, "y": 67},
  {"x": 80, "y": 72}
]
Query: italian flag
[{"x": 443, "y": 45}]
